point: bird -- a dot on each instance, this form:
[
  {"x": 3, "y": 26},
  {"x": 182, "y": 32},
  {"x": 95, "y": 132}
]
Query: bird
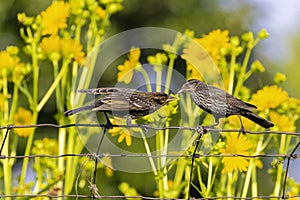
[
  {"x": 221, "y": 104},
  {"x": 123, "y": 102}
]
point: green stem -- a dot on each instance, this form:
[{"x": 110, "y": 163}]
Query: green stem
[
  {"x": 164, "y": 158},
  {"x": 259, "y": 148},
  {"x": 170, "y": 72},
  {"x": 25, "y": 161},
  {"x": 146, "y": 77},
  {"x": 14, "y": 103},
  {"x": 25, "y": 91},
  {"x": 73, "y": 88},
  {"x": 62, "y": 134},
  {"x": 213, "y": 179},
  {"x": 159, "y": 142},
  {"x": 241, "y": 77},
  {"x": 52, "y": 88},
  {"x": 279, "y": 174},
  {"x": 231, "y": 73},
  {"x": 148, "y": 151},
  {"x": 181, "y": 163},
  {"x": 229, "y": 185},
  {"x": 254, "y": 185},
  {"x": 209, "y": 177},
  {"x": 248, "y": 178},
  {"x": 87, "y": 72},
  {"x": 34, "y": 107},
  {"x": 7, "y": 173},
  {"x": 158, "y": 80},
  {"x": 57, "y": 89}
]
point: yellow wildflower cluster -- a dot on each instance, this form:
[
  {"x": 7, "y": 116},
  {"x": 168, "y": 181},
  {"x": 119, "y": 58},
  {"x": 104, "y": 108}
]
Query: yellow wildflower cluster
[
  {"x": 214, "y": 42},
  {"x": 193, "y": 72},
  {"x": 282, "y": 122},
  {"x": 56, "y": 48},
  {"x": 23, "y": 117},
  {"x": 236, "y": 145},
  {"x": 269, "y": 97},
  {"x": 55, "y": 17},
  {"x": 7, "y": 61},
  {"x": 124, "y": 134},
  {"x": 10, "y": 63},
  {"x": 127, "y": 69}
]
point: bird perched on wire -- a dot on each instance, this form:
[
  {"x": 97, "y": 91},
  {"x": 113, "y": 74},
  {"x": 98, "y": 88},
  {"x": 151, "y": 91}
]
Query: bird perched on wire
[
  {"x": 123, "y": 102},
  {"x": 221, "y": 104}
]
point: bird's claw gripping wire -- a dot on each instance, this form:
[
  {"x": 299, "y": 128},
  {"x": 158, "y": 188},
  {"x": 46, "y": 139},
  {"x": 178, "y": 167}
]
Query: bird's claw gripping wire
[
  {"x": 108, "y": 124},
  {"x": 201, "y": 129}
]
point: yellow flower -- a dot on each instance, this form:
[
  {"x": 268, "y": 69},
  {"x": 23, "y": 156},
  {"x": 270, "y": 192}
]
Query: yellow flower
[
  {"x": 72, "y": 49},
  {"x": 55, "y": 17},
  {"x": 122, "y": 132},
  {"x": 192, "y": 72},
  {"x": 282, "y": 122},
  {"x": 214, "y": 42},
  {"x": 6, "y": 60},
  {"x": 269, "y": 97},
  {"x": 236, "y": 144},
  {"x": 23, "y": 117},
  {"x": 234, "y": 122},
  {"x": 55, "y": 48},
  {"x": 126, "y": 70},
  {"x": 101, "y": 12},
  {"x": 51, "y": 47},
  {"x": 76, "y": 6}
]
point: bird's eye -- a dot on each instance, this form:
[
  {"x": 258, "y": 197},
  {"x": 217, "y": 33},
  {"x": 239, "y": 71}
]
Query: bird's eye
[{"x": 162, "y": 99}]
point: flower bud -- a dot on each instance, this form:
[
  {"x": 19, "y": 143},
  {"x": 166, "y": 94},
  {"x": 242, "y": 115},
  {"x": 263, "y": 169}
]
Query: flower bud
[
  {"x": 279, "y": 78},
  {"x": 257, "y": 66},
  {"x": 263, "y": 34}
]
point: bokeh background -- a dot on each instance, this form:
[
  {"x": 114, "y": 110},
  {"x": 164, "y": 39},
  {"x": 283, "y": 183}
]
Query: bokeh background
[{"x": 280, "y": 52}]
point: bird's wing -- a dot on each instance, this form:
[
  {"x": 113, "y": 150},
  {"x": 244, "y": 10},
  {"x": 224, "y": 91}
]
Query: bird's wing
[
  {"x": 108, "y": 90},
  {"x": 121, "y": 102},
  {"x": 239, "y": 103},
  {"x": 221, "y": 97}
]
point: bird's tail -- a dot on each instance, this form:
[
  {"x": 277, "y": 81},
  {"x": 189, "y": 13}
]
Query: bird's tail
[
  {"x": 77, "y": 110},
  {"x": 257, "y": 119}
]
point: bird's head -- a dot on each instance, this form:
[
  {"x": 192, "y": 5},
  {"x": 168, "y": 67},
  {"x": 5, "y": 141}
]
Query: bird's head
[
  {"x": 189, "y": 86},
  {"x": 162, "y": 98}
]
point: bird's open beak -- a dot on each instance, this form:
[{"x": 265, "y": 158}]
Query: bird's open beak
[
  {"x": 185, "y": 90},
  {"x": 181, "y": 91},
  {"x": 170, "y": 98}
]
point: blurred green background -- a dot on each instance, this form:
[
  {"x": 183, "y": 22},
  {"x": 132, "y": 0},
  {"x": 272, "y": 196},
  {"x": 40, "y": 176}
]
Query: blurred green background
[{"x": 280, "y": 52}]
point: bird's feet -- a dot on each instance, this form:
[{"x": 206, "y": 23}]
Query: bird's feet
[
  {"x": 242, "y": 130},
  {"x": 108, "y": 125},
  {"x": 201, "y": 129}
]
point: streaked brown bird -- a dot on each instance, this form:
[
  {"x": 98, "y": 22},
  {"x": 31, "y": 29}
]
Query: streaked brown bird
[
  {"x": 221, "y": 104},
  {"x": 124, "y": 102}
]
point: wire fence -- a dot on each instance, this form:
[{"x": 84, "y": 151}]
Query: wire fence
[{"x": 98, "y": 156}]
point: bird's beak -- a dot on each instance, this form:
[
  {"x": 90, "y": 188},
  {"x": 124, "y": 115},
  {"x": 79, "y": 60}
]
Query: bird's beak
[
  {"x": 181, "y": 91},
  {"x": 170, "y": 98},
  {"x": 185, "y": 90}
]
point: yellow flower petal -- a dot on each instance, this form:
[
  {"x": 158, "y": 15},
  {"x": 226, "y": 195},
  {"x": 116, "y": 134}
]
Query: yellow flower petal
[
  {"x": 72, "y": 49},
  {"x": 23, "y": 117},
  {"x": 282, "y": 122},
  {"x": 125, "y": 73},
  {"x": 269, "y": 97},
  {"x": 236, "y": 144},
  {"x": 123, "y": 133},
  {"x": 214, "y": 41},
  {"x": 55, "y": 17},
  {"x": 6, "y": 60},
  {"x": 51, "y": 47}
]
